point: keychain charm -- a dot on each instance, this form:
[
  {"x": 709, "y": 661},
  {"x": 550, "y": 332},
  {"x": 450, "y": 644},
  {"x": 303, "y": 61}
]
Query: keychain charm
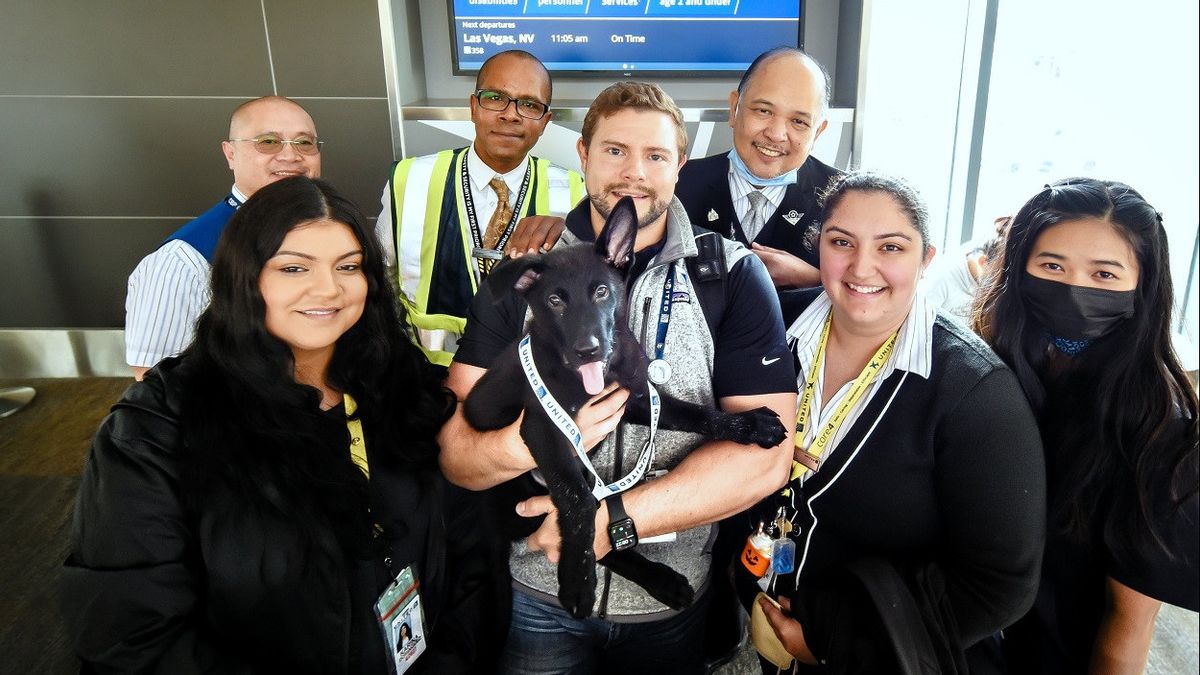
[
  {"x": 783, "y": 556},
  {"x": 756, "y": 556}
]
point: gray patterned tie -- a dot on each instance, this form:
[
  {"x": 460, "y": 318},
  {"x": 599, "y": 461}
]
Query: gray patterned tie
[{"x": 754, "y": 219}]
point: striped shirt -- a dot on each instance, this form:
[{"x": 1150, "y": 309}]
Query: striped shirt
[
  {"x": 913, "y": 353},
  {"x": 166, "y": 294},
  {"x": 739, "y": 191}
]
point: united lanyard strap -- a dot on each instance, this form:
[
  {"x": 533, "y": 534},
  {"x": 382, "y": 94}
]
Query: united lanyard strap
[
  {"x": 664, "y": 314},
  {"x": 472, "y": 220},
  {"x": 567, "y": 426},
  {"x": 810, "y": 457},
  {"x": 358, "y": 442}
]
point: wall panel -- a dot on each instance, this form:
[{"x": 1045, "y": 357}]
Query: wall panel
[{"x": 111, "y": 118}]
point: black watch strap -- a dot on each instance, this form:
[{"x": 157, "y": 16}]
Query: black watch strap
[
  {"x": 621, "y": 532},
  {"x": 616, "y": 508}
]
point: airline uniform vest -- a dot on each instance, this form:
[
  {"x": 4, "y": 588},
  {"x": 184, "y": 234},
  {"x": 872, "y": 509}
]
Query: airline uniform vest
[
  {"x": 205, "y": 230},
  {"x": 433, "y": 239}
]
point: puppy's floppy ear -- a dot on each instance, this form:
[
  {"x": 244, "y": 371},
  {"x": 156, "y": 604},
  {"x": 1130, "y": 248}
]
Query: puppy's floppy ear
[
  {"x": 516, "y": 273},
  {"x": 615, "y": 242}
]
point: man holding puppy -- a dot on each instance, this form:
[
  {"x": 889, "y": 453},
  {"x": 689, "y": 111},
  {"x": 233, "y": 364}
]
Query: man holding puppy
[{"x": 633, "y": 144}]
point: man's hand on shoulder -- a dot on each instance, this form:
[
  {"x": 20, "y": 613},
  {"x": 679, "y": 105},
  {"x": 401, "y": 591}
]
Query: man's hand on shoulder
[
  {"x": 786, "y": 270},
  {"x": 535, "y": 234}
]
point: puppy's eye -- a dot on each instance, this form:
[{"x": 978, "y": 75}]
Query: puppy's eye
[
  {"x": 601, "y": 292},
  {"x": 554, "y": 300}
]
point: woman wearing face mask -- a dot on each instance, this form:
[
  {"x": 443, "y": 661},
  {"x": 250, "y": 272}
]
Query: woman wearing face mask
[
  {"x": 915, "y": 505},
  {"x": 1081, "y": 311},
  {"x": 246, "y": 507}
]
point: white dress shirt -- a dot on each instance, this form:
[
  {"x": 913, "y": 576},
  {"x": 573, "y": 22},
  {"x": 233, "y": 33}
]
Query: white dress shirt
[
  {"x": 165, "y": 294},
  {"x": 482, "y": 194},
  {"x": 913, "y": 353}
]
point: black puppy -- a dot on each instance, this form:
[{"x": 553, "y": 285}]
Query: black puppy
[{"x": 580, "y": 340}]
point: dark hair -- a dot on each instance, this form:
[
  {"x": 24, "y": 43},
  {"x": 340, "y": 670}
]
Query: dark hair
[
  {"x": 1121, "y": 405},
  {"x": 761, "y": 59},
  {"x": 520, "y": 53},
  {"x": 243, "y": 410},
  {"x": 990, "y": 249},
  {"x": 867, "y": 181}
]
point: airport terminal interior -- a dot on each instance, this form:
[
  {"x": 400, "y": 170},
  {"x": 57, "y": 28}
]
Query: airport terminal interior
[{"x": 112, "y": 116}]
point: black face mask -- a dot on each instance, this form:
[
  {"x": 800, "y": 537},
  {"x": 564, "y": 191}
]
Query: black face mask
[{"x": 1075, "y": 312}]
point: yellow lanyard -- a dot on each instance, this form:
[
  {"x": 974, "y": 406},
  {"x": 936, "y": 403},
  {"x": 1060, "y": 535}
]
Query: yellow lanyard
[
  {"x": 810, "y": 458},
  {"x": 358, "y": 442}
]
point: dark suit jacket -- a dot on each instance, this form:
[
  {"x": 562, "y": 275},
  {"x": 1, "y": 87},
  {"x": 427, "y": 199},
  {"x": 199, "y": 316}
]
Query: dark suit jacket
[{"x": 704, "y": 190}]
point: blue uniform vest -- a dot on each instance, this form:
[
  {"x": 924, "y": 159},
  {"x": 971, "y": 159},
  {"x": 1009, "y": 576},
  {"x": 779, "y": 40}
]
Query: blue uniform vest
[{"x": 203, "y": 233}]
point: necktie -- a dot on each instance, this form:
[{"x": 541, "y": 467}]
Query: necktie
[
  {"x": 754, "y": 219},
  {"x": 501, "y": 217}
]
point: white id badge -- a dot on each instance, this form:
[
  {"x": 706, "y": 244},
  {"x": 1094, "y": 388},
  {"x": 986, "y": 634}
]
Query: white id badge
[{"x": 401, "y": 620}]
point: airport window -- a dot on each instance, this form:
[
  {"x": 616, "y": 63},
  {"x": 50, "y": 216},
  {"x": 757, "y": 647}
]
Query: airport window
[{"x": 980, "y": 103}]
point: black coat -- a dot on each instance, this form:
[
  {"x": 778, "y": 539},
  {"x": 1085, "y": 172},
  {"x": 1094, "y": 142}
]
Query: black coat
[
  {"x": 165, "y": 578},
  {"x": 704, "y": 190}
]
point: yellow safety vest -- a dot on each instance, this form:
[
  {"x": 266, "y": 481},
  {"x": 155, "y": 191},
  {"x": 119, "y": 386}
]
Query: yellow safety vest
[{"x": 436, "y": 273}]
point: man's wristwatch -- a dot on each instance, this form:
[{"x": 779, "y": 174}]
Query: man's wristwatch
[{"x": 622, "y": 534}]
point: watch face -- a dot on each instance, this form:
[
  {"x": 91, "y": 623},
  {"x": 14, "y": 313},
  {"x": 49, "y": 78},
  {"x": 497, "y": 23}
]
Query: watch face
[{"x": 622, "y": 534}]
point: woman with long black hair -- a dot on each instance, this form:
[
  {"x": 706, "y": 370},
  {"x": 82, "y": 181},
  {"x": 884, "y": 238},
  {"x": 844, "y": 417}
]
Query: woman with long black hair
[
  {"x": 1081, "y": 311},
  {"x": 270, "y": 500}
]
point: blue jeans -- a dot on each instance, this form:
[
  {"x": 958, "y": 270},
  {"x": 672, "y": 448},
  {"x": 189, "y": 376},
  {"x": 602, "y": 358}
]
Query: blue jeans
[{"x": 545, "y": 640}]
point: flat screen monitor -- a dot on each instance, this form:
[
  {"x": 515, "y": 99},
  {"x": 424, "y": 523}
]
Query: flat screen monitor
[{"x": 693, "y": 38}]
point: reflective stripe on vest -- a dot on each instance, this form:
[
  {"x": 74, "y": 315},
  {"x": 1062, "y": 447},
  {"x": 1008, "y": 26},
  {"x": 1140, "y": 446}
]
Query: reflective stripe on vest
[{"x": 433, "y": 246}]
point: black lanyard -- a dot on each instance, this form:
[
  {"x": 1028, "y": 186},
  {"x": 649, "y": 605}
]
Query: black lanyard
[{"x": 472, "y": 220}]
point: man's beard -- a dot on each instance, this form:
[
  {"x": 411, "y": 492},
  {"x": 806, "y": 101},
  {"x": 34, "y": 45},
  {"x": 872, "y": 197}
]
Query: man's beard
[{"x": 657, "y": 206}]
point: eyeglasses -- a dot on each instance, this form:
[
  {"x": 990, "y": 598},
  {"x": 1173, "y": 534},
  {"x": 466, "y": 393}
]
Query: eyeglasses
[
  {"x": 490, "y": 99},
  {"x": 270, "y": 144}
]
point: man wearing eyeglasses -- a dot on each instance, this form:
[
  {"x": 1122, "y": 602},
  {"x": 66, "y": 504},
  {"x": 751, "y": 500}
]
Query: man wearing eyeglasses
[
  {"x": 448, "y": 217},
  {"x": 270, "y": 138}
]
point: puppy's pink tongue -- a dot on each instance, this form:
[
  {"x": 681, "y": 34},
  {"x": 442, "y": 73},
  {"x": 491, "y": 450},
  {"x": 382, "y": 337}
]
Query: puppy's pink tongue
[{"x": 593, "y": 377}]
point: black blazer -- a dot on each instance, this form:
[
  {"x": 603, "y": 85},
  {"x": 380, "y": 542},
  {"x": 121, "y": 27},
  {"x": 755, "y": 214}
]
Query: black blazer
[{"x": 704, "y": 190}]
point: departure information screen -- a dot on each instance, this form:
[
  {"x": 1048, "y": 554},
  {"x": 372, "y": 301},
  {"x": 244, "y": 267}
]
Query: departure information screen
[{"x": 681, "y": 37}]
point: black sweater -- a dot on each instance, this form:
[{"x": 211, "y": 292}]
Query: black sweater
[{"x": 942, "y": 478}]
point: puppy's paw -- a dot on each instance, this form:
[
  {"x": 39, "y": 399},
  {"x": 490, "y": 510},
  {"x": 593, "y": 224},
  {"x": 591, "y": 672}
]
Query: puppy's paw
[
  {"x": 667, "y": 586},
  {"x": 577, "y": 584},
  {"x": 760, "y": 426}
]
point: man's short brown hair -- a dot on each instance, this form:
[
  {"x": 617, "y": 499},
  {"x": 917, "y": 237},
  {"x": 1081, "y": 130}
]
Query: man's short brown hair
[{"x": 636, "y": 96}]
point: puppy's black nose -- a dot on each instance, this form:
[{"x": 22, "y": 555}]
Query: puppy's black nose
[{"x": 587, "y": 348}]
